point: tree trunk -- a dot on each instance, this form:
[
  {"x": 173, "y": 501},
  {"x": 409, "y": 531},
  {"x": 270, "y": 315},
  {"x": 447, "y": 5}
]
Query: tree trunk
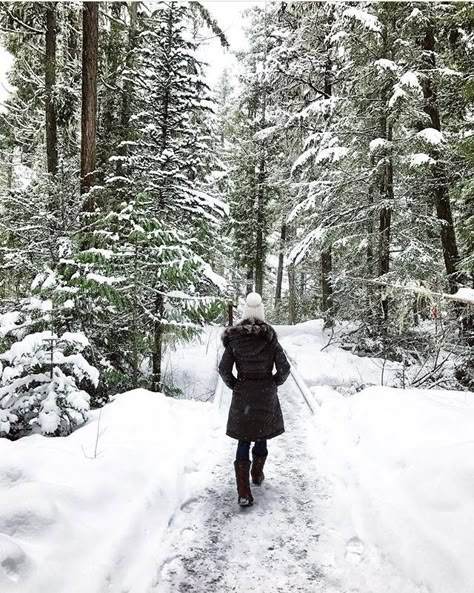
[
  {"x": 165, "y": 105},
  {"x": 50, "y": 83},
  {"x": 279, "y": 278},
  {"x": 157, "y": 344},
  {"x": 69, "y": 129},
  {"x": 386, "y": 175},
  {"x": 326, "y": 285},
  {"x": 249, "y": 287},
  {"x": 326, "y": 253},
  {"x": 10, "y": 169},
  {"x": 291, "y": 294},
  {"x": 109, "y": 106},
  {"x": 127, "y": 88},
  {"x": 439, "y": 181},
  {"x": 260, "y": 240},
  {"x": 135, "y": 320},
  {"x": 386, "y": 218},
  {"x": 90, "y": 28}
]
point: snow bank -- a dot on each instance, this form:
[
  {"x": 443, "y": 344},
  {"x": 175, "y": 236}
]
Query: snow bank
[
  {"x": 400, "y": 464},
  {"x": 73, "y": 508},
  {"x": 322, "y": 364}
]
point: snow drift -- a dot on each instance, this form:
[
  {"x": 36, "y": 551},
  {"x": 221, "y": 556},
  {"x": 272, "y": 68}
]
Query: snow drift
[
  {"x": 73, "y": 508},
  {"x": 402, "y": 473}
]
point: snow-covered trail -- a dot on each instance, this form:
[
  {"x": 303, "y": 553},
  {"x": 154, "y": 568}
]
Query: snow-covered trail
[{"x": 215, "y": 546}]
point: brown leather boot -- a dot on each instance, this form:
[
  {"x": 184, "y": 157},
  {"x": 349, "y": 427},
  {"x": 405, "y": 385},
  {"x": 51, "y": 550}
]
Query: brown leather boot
[
  {"x": 258, "y": 461},
  {"x": 242, "y": 468}
]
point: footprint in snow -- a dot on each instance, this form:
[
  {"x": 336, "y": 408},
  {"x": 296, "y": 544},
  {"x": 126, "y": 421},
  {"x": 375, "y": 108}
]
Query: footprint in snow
[
  {"x": 187, "y": 534},
  {"x": 14, "y": 562},
  {"x": 170, "y": 568},
  {"x": 12, "y": 475},
  {"x": 354, "y": 550}
]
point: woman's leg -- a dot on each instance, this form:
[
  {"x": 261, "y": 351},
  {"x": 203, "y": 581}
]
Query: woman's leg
[
  {"x": 243, "y": 449},
  {"x": 242, "y": 467},
  {"x": 260, "y": 448},
  {"x": 259, "y": 456}
]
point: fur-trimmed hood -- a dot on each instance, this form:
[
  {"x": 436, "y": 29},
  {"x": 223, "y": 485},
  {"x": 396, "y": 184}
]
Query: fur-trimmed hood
[{"x": 249, "y": 328}]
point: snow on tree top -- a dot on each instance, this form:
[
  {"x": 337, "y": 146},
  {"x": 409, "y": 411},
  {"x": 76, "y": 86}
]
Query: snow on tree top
[
  {"x": 216, "y": 279},
  {"x": 105, "y": 253},
  {"x": 8, "y": 322},
  {"x": 337, "y": 36},
  {"x": 265, "y": 133},
  {"x": 385, "y": 64},
  {"x": 420, "y": 158},
  {"x": 416, "y": 14},
  {"x": 378, "y": 143},
  {"x": 331, "y": 154},
  {"x": 321, "y": 106},
  {"x": 100, "y": 279},
  {"x": 449, "y": 72},
  {"x": 410, "y": 79},
  {"x": 398, "y": 93},
  {"x": 33, "y": 304},
  {"x": 431, "y": 136},
  {"x": 77, "y": 337},
  {"x": 369, "y": 21},
  {"x": 45, "y": 279}
]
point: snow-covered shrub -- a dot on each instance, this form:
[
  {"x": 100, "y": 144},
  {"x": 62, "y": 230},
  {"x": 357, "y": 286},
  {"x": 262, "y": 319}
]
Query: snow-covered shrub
[{"x": 40, "y": 385}]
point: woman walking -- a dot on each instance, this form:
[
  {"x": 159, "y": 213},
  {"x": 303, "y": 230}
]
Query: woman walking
[{"x": 255, "y": 412}]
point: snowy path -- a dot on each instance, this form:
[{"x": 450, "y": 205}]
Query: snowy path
[{"x": 215, "y": 546}]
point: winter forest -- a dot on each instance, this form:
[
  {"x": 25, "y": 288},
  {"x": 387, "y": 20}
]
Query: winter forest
[{"x": 145, "y": 191}]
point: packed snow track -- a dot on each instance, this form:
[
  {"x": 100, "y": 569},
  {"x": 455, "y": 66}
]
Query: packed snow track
[{"x": 216, "y": 546}]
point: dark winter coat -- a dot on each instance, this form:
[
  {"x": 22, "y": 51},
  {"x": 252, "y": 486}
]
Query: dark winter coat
[{"x": 255, "y": 411}]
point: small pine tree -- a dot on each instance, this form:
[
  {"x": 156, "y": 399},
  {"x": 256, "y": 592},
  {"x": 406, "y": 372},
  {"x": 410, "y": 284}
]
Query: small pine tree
[{"x": 40, "y": 384}]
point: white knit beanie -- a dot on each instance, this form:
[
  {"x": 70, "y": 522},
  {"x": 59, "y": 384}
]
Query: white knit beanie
[{"x": 253, "y": 308}]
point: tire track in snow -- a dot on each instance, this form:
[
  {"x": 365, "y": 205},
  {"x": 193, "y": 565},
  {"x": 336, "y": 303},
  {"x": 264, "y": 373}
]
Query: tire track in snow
[{"x": 214, "y": 546}]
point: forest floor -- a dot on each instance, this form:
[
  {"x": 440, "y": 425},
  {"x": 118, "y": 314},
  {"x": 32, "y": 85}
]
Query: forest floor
[{"x": 371, "y": 494}]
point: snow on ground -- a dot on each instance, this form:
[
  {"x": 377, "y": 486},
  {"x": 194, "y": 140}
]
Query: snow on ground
[
  {"x": 217, "y": 547},
  {"x": 399, "y": 470},
  {"x": 75, "y": 520},
  {"x": 400, "y": 464},
  {"x": 191, "y": 367},
  {"x": 371, "y": 494},
  {"x": 323, "y": 364}
]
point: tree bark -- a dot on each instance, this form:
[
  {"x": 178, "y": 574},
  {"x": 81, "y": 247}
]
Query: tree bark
[
  {"x": 126, "y": 109},
  {"x": 326, "y": 253},
  {"x": 291, "y": 294},
  {"x": 439, "y": 181},
  {"x": 279, "y": 278},
  {"x": 90, "y": 39},
  {"x": 50, "y": 83},
  {"x": 107, "y": 126},
  {"x": 386, "y": 177},
  {"x": 259, "y": 239},
  {"x": 326, "y": 285},
  {"x": 157, "y": 344},
  {"x": 386, "y": 217},
  {"x": 249, "y": 286}
]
